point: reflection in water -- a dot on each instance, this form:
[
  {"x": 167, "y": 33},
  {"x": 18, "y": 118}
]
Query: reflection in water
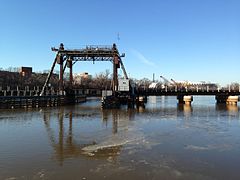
[
  {"x": 141, "y": 109},
  {"x": 115, "y": 121},
  {"x": 163, "y": 141},
  {"x": 65, "y": 146},
  {"x": 231, "y": 109},
  {"x": 117, "y": 116},
  {"x": 121, "y": 132},
  {"x": 186, "y": 109},
  {"x": 153, "y": 99}
]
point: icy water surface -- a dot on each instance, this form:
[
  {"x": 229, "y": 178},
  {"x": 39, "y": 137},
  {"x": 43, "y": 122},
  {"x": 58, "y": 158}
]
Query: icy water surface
[{"x": 162, "y": 141}]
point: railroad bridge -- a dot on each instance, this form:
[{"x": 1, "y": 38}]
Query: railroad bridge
[
  {"x": 68, "y": 57},
  {"x": 127, "y": 94},
  {"x": 186, "y": 96}
]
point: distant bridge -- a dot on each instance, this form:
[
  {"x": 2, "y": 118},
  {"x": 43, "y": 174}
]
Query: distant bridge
[
  {"x": 185, "y": 95},
  {"x": 164, "y": 92}
]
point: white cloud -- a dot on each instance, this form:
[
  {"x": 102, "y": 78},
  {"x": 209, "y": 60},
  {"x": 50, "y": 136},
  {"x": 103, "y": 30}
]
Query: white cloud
[{"x": 141, "y": 57}]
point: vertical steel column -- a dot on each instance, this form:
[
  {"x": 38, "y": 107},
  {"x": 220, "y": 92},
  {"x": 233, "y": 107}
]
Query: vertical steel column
[
  {"x": 61, "y": 75},
  {"x": 71, "y": 73},
  {"x": 61, "y": 48},
  {"x": 115, "y": 74},
  {"x": 115, "y": 71}
]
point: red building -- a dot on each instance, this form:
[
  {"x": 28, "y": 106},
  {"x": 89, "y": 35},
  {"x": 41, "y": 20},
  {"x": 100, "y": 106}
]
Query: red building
[{"x": 25, "y": 71}]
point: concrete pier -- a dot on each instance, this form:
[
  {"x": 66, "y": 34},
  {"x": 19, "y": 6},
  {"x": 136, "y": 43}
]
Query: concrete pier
[
  {"x": 227, "y": 99},
  {"x": 232, "y": 100},
  {"x": 185, "y": 99},
  {"x": 140, "y": 101}
]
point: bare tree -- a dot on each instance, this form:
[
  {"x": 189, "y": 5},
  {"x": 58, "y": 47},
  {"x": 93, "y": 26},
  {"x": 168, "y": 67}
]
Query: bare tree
[
  {"x": 234, "y": 86},
  {"x": 143, "y": 83},
  {"x": 102, "y": 80}
]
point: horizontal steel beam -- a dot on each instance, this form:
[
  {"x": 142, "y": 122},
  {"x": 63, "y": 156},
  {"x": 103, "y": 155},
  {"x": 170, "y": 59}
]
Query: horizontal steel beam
[
  {"x": 92, "y": 58},
  {"x": 176, "y": 93}
]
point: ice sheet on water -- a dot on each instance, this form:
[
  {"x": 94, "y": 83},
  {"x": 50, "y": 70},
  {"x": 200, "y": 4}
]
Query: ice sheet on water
[
  {"x": 219, "y": 147},
  {"x": 197, "y": 148},
  {"x": 113, "y": 141}
]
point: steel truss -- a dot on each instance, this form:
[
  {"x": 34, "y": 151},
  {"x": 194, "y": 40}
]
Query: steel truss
[{"x": 67, "y": 58}]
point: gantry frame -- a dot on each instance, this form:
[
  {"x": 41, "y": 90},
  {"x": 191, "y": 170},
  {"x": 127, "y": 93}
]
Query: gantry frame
[{"x": 68, "y": 57}]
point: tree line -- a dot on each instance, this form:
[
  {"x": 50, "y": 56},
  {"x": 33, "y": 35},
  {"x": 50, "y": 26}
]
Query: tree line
[{"x": 102, "y": 80}]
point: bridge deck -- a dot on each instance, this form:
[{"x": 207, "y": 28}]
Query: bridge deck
[{"x": 152, "y": 92}]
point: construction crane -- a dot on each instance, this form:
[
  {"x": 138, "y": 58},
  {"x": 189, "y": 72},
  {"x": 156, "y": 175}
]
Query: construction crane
[
  {"x": 166, "y": 82},
  {"x": 181, "y": 83},
  {"x": 174, "y": 82}
]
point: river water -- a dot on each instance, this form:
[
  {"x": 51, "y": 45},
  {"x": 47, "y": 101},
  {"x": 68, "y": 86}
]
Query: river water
[{"x": 163, "y": 141}]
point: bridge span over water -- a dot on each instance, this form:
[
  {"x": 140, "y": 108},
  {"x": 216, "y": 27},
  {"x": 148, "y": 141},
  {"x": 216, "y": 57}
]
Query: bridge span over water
[
  {"x": 122, "y": 90},
  {"x": 186, "y": 96}
]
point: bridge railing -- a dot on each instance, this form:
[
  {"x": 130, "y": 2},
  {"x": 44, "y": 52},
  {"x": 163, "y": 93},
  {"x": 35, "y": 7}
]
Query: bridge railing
[{"x": 186, "y": 90}]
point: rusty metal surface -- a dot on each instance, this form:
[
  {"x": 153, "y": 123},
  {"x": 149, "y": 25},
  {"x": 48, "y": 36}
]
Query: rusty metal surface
[{"x": 68, "y": 57}]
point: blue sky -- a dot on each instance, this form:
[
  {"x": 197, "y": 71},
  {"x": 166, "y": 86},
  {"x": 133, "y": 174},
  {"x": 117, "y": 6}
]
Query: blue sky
[{"x": 195, "y": 40}]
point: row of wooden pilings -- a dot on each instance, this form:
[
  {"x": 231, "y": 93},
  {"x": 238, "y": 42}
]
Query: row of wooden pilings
[
  {"x": 13, "y": 102},
  {"x": 12, "y": 98}
]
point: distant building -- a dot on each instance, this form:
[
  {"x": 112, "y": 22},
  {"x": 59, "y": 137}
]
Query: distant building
[
  {"x": 80, "y": 78},
  {"x": 25, "y": 71},
  {"x": 85, "y": 75}
]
